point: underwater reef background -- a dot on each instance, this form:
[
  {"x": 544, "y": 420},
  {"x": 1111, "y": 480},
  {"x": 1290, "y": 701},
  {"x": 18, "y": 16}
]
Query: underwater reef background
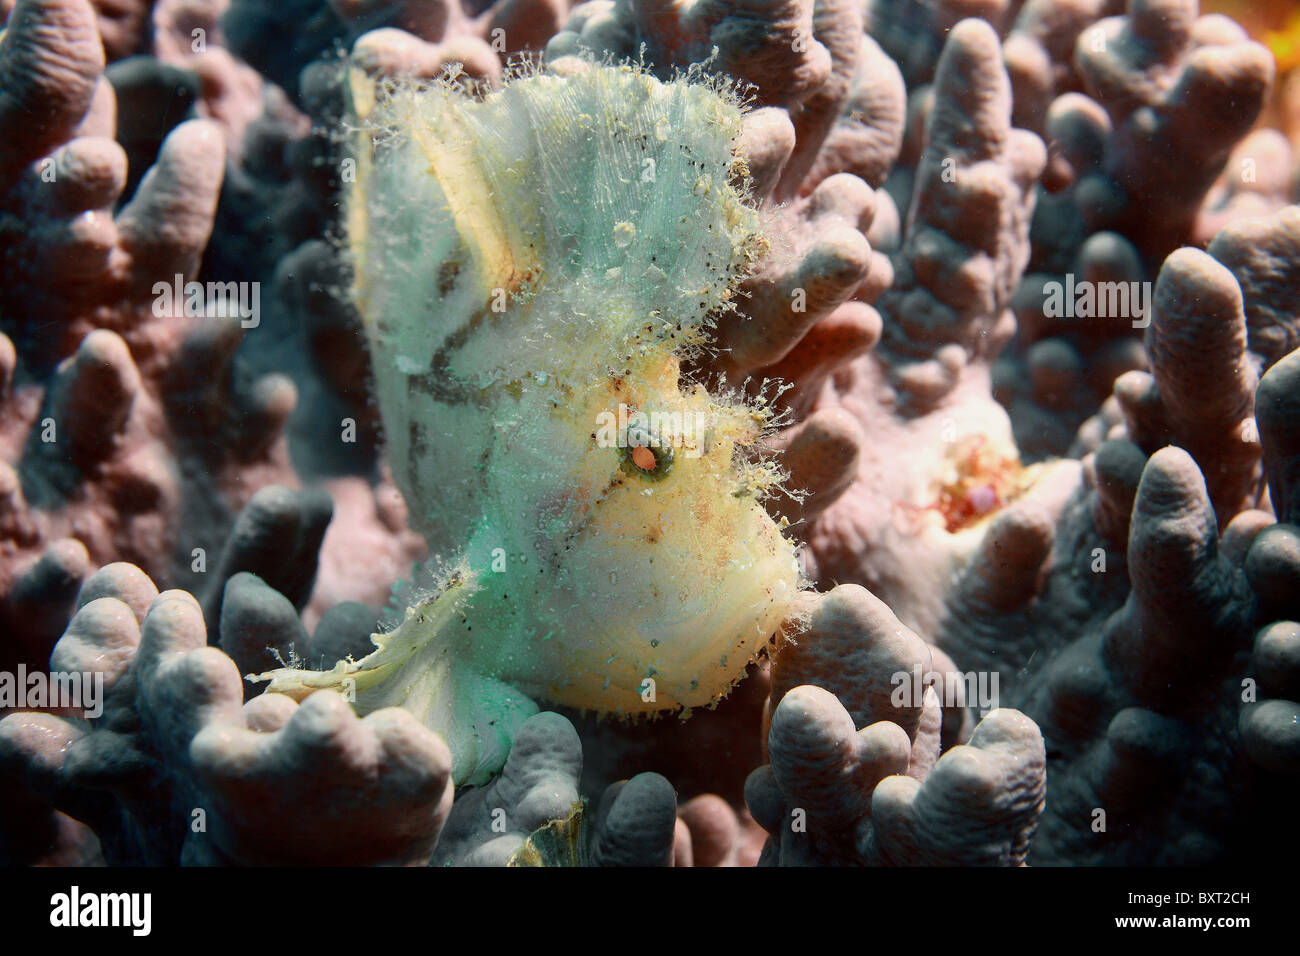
[{"x": 1017, "y": 536}]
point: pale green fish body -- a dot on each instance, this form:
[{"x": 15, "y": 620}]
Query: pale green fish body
[{"x": 531, "y": 264}]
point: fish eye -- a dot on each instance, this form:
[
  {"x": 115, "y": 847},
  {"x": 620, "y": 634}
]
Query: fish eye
[{"x": 644, "y": 460}]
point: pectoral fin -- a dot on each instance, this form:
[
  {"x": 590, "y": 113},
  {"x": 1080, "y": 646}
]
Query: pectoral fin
[{"x": 416, "y": 667}]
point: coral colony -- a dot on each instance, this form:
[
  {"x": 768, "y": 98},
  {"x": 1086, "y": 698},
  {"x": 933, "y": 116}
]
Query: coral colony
[{"x": 638, "y": 433}]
